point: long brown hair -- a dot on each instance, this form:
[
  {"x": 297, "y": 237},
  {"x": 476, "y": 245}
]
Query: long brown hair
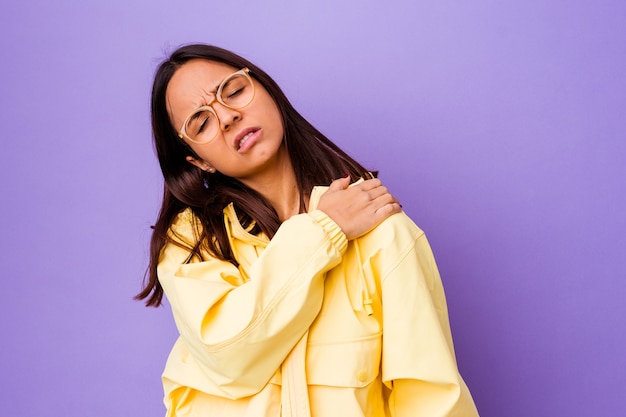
[{"x": 315, "y": 159}]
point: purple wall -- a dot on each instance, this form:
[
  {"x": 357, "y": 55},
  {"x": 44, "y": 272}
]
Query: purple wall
[{"x": 500, "y": 127}]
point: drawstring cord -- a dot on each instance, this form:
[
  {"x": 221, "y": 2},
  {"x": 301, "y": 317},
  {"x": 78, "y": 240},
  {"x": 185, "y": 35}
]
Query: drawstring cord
[{"x": 366, "y": 294}]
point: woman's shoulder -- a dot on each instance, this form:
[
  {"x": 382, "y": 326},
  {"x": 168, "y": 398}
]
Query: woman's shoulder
[
  {"x": 400, "y": 224},
  {"x": 184, "y": 218},
  {"x": 185, "y": 228},
  {"x": 396, "y": 234}
]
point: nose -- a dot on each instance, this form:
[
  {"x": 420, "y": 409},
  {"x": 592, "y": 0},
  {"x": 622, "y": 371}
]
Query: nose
[{"x": 226, "y": 115}]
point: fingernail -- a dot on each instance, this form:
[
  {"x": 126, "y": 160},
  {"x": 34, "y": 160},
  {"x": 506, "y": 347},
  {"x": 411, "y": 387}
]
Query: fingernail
[{"x": 345, "y": 176}]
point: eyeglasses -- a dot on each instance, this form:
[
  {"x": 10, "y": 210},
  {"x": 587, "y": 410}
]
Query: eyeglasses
[{"x": 235, "y": 92}]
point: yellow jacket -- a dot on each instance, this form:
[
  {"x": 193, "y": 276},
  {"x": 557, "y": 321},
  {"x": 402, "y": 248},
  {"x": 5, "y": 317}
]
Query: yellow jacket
[{"x": 323, "y": 326}]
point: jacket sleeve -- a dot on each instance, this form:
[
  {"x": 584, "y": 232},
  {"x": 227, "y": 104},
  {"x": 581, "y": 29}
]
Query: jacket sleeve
[
  {"x": 239, "y": 332},
  {"x": 418, "y": 362}
]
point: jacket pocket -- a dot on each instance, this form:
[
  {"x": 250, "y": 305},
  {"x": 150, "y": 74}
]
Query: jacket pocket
[{"x": 346, "y": 363}]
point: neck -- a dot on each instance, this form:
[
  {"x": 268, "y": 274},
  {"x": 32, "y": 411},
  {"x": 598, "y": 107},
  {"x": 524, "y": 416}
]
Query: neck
[{"x": 278, "y": 185}]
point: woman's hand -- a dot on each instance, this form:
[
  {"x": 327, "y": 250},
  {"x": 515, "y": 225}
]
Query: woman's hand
[{"x": 360, "y": 208}]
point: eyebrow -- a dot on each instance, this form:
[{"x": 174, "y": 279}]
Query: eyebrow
[
  {"x": 214, "y": 91},
  {"x": 217, "y": 87}
]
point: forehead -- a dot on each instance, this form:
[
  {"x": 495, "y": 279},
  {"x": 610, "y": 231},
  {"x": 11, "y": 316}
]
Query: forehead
[{"x": 191, "y": 84}]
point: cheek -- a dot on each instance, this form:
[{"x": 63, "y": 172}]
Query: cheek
[
  {"x": 268, "y": 109},
  {"x": 273, "y": 115},
  {"x": 210, "y": 151}
]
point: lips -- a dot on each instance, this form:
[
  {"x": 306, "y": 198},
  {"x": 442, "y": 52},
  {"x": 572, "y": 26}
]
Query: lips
[
  {"x": 244, "y": 136},
  {"x": 244, "y": 139}
]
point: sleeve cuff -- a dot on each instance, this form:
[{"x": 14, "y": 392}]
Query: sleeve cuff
[{"x": 334, "y": 232}]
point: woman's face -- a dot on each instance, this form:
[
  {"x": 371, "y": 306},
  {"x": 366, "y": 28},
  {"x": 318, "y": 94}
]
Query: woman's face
[{"x": 249, "y": 139}]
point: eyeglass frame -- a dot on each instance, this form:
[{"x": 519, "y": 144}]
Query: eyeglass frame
[{"x": 182, "y": 133}]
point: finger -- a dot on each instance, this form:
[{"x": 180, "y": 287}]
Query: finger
[
  {"x": 369, "y": 196},
  {"x": 369, "y": 184},
  {"x": 377, "y": 192},
  {"x": 339, "y": 184},
  {"x": 387, "y": 210},
  {"x": 383, "y": 200}
]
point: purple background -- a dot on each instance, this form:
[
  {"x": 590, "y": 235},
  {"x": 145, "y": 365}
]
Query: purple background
[{"x": 500, "y": 126}]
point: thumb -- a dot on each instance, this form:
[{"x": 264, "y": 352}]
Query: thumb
[{"x": 340, "y": 184}]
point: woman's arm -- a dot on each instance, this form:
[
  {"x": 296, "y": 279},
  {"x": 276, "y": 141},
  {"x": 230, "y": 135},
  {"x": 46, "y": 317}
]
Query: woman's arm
[
  {"x": 418, "y": 359},
  {"x": 239, "y": 332}
]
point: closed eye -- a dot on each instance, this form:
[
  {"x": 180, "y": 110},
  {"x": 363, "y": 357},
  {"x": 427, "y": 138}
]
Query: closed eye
[
  {"x": 199, "y": 122},
  {"x": 203, "y": 124},
  {"x": 235, "y": 92}
]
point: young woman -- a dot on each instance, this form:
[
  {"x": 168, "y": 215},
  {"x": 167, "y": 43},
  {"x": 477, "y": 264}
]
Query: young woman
[{"x": 297, "y": 284}]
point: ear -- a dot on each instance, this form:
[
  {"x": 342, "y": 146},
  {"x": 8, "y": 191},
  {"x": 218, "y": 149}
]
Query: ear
[{"x": 200, "y": 164}]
